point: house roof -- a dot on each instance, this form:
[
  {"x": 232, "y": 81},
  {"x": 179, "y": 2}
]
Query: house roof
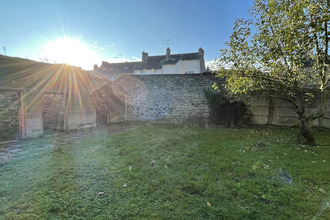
[
  {"x": 152, "y": 62},
  {"x": 110, "y": 68},
  {"x": 156, "y": 62}
]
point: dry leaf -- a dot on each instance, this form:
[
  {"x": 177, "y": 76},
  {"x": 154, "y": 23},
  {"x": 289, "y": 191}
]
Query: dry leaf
[{"x": 323, "y": 191}]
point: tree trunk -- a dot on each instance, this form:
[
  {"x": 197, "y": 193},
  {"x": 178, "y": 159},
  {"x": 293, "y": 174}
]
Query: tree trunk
[
  {"x": 323, "y": 106},
  {"x": 305, "y": 135}
]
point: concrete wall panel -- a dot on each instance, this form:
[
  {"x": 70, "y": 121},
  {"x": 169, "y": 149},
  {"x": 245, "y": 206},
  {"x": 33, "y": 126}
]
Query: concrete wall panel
[
  {"x": 258, "y": 102},
  {"x": 259, "y": 110},
  {"x": 258, "y": 120},
  {"x": 284, "y": 111},
  {"x": 285, "y": 120}
]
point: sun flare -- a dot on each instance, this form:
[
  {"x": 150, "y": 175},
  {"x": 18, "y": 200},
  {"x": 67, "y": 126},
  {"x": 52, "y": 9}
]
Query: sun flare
[{"x": 70, "y": 51}]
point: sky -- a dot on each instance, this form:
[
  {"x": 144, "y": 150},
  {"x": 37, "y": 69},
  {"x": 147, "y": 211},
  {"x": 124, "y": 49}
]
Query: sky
[{"x": 84, "y": 33}]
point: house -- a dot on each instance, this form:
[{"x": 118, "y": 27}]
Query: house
[{"x": 185, "y": 63}]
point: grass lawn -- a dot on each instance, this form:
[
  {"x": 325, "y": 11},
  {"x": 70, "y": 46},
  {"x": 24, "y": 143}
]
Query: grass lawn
[{"x": 169, "y": 172}]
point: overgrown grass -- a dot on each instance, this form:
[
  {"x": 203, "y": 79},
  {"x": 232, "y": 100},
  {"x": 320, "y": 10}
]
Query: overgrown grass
[{"x": 197, "y": 174}]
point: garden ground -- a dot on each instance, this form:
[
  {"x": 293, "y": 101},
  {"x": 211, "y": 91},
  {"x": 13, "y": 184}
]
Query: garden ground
[{"x": 166, "y": 172}]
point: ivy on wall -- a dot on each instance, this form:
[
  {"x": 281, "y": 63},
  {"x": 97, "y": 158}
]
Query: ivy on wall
[{"x": 224, "y": 110}]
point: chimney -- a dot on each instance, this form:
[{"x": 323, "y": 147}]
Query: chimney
[
  {"x": 144, "y": 56},
  {"x": 202, "y": 61},
  {"x": 201, "y": 52},
  {"x": 95, "y": 67},
  {"x": 168, "y": 53}
]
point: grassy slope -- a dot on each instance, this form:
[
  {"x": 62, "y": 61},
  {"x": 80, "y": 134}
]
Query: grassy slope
[{"x": 198, "y": 174}]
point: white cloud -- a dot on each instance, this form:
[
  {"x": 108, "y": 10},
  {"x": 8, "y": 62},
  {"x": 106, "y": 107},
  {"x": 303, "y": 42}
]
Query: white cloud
[
  {"x": 95, "y": 43},
  {"x": 111, "y": 45},
  {"x": 134, "y": 58},
  {"x": 212, "y": 65},
  {"x": 102, "y": 48}
]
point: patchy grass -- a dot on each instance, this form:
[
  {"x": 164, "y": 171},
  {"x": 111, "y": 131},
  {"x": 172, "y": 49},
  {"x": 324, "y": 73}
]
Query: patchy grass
[{"x": 196, "y": 174}]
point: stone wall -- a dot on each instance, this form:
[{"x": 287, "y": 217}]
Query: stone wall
[
  {"x": 170, "y": 98},
  {"x": 163, "y": 98},
  {"x": 9, "y": 115},
  {"x": 180, "y": 99}
]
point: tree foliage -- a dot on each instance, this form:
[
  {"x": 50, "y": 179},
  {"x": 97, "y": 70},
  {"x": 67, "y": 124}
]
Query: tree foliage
[{"x": 283, "y": 51}]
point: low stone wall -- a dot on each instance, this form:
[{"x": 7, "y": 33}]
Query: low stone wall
[{"x": 9, "y": 115}]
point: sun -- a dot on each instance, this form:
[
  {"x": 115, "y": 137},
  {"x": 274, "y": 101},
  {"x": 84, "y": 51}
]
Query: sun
[{"x": 70, "y": 51}]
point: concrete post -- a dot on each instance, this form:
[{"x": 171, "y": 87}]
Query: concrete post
[{"x": 22, "y": 116}]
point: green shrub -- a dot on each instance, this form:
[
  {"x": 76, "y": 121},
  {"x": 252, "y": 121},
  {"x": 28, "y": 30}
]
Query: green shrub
[{"x": 224, "y": 110}]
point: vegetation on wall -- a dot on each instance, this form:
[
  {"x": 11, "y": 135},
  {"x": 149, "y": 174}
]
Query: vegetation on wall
[{"x": 224, "y": 110}]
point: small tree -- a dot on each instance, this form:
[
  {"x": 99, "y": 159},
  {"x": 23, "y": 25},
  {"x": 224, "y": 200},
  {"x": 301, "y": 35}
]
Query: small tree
[{"x": 286, "y": 57}]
